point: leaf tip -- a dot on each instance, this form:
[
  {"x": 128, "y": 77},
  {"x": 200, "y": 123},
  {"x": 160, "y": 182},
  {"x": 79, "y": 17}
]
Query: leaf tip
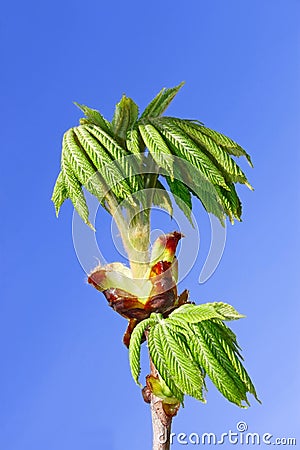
[
  {"x": 90, "y": 225},
  {"x": 78, "y": 105},
  {"x": 249, "y": 186},
  {"x": 250, "y": 161},
  {"x": 56, "y": 207}
]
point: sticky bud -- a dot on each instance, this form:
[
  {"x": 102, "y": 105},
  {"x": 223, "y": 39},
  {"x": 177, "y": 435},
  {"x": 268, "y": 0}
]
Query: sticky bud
[{"x": 164, "y": 247}]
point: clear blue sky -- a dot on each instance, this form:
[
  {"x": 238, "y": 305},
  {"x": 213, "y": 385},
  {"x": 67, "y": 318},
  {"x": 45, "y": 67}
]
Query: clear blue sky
[{"x": 64, "y": 378}]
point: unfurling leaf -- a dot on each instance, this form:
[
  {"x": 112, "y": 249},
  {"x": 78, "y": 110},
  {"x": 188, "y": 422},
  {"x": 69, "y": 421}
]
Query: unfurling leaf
[
  {"x": 160, "y": 103},
  {"x": 135, "y": 347},
  {"x": 155, "y": 139},
  {"x": 126, "y": 114},
  {"x": 190, "y": 343}
]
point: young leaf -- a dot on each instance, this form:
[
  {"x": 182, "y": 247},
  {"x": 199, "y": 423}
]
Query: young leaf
[
  {"x": 135, "y": 347},
  {"x": 216, "y": 372},
  {"x": 157, "y": 147},
  {"x": 189, "y": 180},
  {"x": 230, "y": 202},
  {"x": 187, "y": 149},
  {"x": 125, "y": 115},
  {"x": 161, "y": 198},
  {"x": 127, "y": 167},
  {"x": 94, "y": 117},
  {"x": 231, "y": 170},
  {"x": 133, "y": 142},
  {"x": 227, "y": 311},
  {"x": 231, "y": 147},
  {"x": 110, "y": 144},
  {"x": 180, "y": 363},
  {"x": 227, "y": 335},
  {"x": 160, "y": 103},
  {"x": 216, "y": 347},
  {"x": 75, "y": 193},
  {"x": 103, "y": 162},
  {"x": 157, "y": 353},
  {"x": 211, "y": 174},
  {"x": 60, "y": 193},
  {"x": 233, "y": 363},
  {"x": 196, "y": 313},
  {"x": 73, "y": 153},
  {"x": 182, "y": 197}
]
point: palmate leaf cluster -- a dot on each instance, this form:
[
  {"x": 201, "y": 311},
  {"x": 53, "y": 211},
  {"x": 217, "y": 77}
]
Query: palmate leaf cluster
[
  {"x": 188, "y": 345},
  {"x": 95, "y": 156}
]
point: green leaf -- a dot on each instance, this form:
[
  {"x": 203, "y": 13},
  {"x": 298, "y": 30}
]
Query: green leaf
[
  {"x": 94, "y": 117},
  {"x": 184, "y": 348},
  {"x": 135, "y": 348},
  {"x": 133, "y": 142},
  {"x": 188, "y": 179},
  {"x": 189, "y": 176},
  {"x": 160, "y": 103},
  {"x": 213, "y": 346},
  {"x": 230, "y": 202},
  {"x": 75, "y": 193},
  {"x": 210, "y": 177},
  {"x": 110, "y": 144},
  {"x": 227, "y": 311},
  {"x": 161, "y": 198},
  {"x": 182, "y": 197},
  {"x": 196, "y": 313},
  {"x": 157, "y": 148},
  {"x": 74, "y": 154},
  {"x": 105, "y": 165},
  {"x": 231, "y": 147},
  {"x": 233, "y": 362},
  {"x": 126, "y": 113},
  {"x": 226, "y": 334},
  {"x": 157, "y": 353},
  {"x": 180, "y": 362},
  {"x": 216, "y": 372},
  {"x": 81, "y": 166},
  {"x": 210, "y": 201},
  {"x": 127, "y": 167},
  {"x": 187, "y": 149},
  {"x": 217, "y": 348},
  {"x": 221, "y": 158},
  {"x": 60, "y": 193}
]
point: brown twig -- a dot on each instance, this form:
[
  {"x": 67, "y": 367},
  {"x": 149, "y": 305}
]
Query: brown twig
[{"x": 161, "y": 422}]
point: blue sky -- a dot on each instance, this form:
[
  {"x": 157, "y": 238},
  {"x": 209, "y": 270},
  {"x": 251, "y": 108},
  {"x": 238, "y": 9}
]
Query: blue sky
[{"x": 64, "y": 378}]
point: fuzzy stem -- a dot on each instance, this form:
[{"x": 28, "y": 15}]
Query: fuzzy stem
[
  {"x": 135, "y": 235},
  {"x": 139, "y": 237}
]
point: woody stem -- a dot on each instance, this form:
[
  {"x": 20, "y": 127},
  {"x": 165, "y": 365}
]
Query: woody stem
[{"x": 161, "y": 423}]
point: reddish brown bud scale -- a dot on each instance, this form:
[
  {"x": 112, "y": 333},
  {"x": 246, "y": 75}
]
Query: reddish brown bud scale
[
  {"x": 161, "y": 298},
  {"x": 159, "y": 268},
  {"x": 164, "y": 247},
  {"x": 96, "y": 278},
  {"x": 127, "y": 335},
  {"x": 171, "y": 241},
  {"x": 125, "y": 304}
]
